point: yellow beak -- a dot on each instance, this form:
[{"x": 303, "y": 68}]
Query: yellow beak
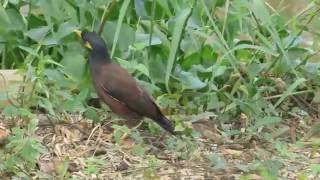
[{"x": 86, "y": 44}]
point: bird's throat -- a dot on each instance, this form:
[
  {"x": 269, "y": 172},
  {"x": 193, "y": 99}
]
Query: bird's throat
[{"x": 98, "y": 57}]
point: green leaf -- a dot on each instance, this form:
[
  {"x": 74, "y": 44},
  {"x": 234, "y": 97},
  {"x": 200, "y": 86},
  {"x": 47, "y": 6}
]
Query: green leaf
[
  {"x": 10, "y": 111},
  {"x": 4, "y": 18},
  {"x": 260, "y": 10},
  {"x": 254, "y": 47},
  {"x": 119, "y": 131},
  {"x": 38, "y": 34},
  {"x": 125, "y": 39},
  {"x": 62, "y": 168},
  {"x": 150, "y": 88},
  {"x": 271, "y": 169},
  {"x": 289, "y": 91},
  {"x": 74, "y": 65},
  {"x": 65, "y": 29},
  {"x": 179, "y": 27},
  {"x": 92, "y": 114},
  {"x": 188, "y": 79},
  {"x": 132, "y": 66},
  {"x": 265, "y": 121},
  {"x": 46, "y": 104},
  {"x": 122, "y": 14},
  {"x": 29, "y": 50},
  {"x": 16, "y": 20},
  {"x": 315, "y": 168},
  {"x": 142, "y": 41},
  {"x": 138, "y": 150},
  {"x": 217, "y": 162},
  {"x": 52, "y": 8},
  {"x": 140, "y": 9},
  {"x": 93, "y": 165},
  {"x": 83, "y": 94},
  {"x": 165, "y": 6}
]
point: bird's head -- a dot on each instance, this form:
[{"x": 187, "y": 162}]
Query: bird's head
[{"x": 92, "y": 40}]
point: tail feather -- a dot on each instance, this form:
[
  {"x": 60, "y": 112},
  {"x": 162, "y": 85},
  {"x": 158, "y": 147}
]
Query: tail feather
[{"x": 165, "y": 124}]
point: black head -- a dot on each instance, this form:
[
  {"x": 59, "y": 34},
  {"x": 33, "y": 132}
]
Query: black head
[
  {"x": 96, "y": 45},
  {"x": 93, "y": 41}
]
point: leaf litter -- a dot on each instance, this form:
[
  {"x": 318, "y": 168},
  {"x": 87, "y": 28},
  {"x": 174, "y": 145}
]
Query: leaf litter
[{"x": 86, "y": 151}]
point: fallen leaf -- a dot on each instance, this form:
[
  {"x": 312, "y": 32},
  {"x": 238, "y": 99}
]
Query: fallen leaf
[
  {"x": 127, "y": 143},
  {"x": 231, "y": 152},
  {"x": 4, "y": 133},
  {"x": 49, "y": 167},
  {"x": 122, "y": 166}
]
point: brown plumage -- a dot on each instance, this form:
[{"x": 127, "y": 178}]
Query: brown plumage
[{"x": 117, "y": 88}]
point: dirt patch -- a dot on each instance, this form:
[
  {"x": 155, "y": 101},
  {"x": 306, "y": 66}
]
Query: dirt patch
[{"x": 84, "y": 151}]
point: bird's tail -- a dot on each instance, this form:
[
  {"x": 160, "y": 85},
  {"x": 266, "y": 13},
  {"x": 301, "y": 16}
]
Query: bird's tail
[{"x": 165, "y": 124}]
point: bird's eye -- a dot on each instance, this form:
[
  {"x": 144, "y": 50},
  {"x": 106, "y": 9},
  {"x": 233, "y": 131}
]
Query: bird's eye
[{"x": 88, "y": 45}]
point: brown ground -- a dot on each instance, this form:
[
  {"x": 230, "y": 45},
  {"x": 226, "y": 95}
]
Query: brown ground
[{"x": 75, "y": 146}]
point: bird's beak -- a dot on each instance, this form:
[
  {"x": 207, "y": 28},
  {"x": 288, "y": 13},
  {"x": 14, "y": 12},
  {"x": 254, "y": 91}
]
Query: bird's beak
[
  {"x": 77, "y": 32},
  {"x": 87, "y": 45}
]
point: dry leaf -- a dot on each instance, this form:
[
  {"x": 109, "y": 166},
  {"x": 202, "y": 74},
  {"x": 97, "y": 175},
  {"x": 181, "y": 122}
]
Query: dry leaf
[
  {"x": 127, "y": 144},
  {"x": 4, "y": 133}
]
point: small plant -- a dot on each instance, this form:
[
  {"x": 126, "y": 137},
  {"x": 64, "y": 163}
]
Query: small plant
[
  {"x": 94, "y": 166},
  {"x": 183, "y": 147},
  {"x": 20, "y": 155}
]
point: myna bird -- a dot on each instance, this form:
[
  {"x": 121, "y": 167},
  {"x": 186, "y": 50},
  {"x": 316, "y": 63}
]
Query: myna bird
[{"x": 117, "y": 88}]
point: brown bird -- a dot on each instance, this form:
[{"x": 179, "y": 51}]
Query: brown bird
[{"x": 117, "y": 88}]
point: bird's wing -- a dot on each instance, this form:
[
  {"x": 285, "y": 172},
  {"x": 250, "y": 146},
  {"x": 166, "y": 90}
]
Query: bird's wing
[{"x": 120, "y": 85}]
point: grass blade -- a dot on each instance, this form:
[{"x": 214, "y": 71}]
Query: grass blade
[
  {"x": 122, "y": 14},
  {"x": 180, "y": 24}
]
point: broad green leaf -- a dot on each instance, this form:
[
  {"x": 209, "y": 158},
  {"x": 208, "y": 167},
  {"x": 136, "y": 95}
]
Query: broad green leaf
[
  {"x": 188, "y": 79},
  {"x": 65, "y": 29},
  {"x": 179, "y": 27},
  {"x": 29, "y": 50},
  {"x": 142, "y": 41},
  {"x": 16, "y": 20},
  {"x": 4, "y": 18},
  {"x": 140, "y": 9},
  {"x": 51, "y": 40},
  {"x": 260, "y": 10},
  {"x": 74, "y": 65},
  {"x": 52, "y": 9},
  {"x": 132, "y": 66},
  {"x": 38, "y": 34},
  {"x": 265, "y": 121},
  {"x": 124, "y": 40},
  {"x": 150, "y": 88},
  {"x": 82, "y": 95},
  {"x": 10, "y": 19}
]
